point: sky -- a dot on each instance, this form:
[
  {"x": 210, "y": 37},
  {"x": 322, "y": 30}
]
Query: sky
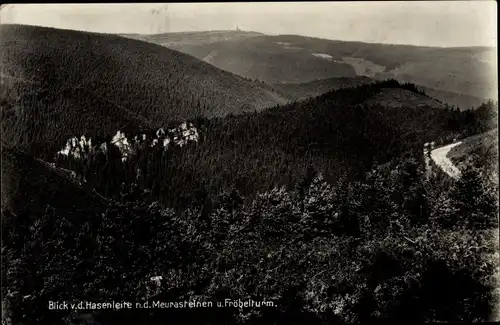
[{"x": 426, "y": 23}]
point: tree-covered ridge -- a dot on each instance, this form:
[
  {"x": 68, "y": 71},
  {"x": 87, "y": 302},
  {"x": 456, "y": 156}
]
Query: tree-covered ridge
[{"x": 393, "y": 245}]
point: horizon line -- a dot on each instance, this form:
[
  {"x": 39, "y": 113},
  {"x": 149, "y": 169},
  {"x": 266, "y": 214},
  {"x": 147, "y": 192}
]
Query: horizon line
[{"x": 263, "y": 34}]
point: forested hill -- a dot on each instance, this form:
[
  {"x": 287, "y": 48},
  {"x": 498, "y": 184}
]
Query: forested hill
[
  {"x": 342, "y": 134},
  {"x": 97, "y": 83}
]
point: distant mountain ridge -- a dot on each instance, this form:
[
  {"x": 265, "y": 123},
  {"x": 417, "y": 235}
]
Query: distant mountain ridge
[
  {"x": 468, "y": 72},
  {"x": 186, "y": 38}
]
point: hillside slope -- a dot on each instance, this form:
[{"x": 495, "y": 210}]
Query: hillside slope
[
  {"x": 97, "y": 83},
  {"x": 484, "y": 143}
]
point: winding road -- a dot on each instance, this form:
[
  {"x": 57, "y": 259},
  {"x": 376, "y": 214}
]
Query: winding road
[{"x": 440, "y": 158}]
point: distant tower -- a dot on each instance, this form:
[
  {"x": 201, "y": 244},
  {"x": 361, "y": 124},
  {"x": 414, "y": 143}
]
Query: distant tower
[
  {"x": 237, "y": 28},
  {"x": 160, "y": 19},
  {"x": 6, "y": 14}
]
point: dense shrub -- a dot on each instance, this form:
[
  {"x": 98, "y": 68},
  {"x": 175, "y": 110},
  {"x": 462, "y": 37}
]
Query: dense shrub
[{"x": 376, "y": 249}]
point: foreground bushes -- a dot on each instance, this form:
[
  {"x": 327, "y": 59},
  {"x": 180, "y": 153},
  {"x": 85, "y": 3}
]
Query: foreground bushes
[{"x": 394, "y": 246}]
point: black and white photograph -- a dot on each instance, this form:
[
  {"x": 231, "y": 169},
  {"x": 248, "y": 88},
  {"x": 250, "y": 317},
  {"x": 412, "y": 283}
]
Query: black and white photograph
[{"x": 244, "y": 163}]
